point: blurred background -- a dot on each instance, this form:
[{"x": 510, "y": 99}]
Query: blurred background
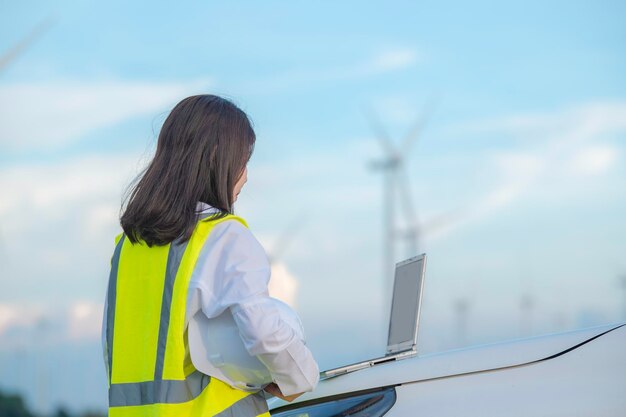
[{"x": 490, "y": 135}]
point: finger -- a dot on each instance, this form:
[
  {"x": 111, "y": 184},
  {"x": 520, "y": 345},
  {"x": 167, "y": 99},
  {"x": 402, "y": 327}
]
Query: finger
[{"x": 273, "y": 389}]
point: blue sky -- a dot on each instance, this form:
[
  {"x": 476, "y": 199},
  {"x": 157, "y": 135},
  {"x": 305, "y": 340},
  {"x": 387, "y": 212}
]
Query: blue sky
[{"x": 522, "y": 155}]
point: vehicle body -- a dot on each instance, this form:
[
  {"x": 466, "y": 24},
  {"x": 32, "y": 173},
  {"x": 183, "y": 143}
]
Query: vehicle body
[{"x": 575, "y": 373}]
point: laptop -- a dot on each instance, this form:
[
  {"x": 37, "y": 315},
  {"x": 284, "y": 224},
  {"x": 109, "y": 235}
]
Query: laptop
[{"x": 403, "y": 322}]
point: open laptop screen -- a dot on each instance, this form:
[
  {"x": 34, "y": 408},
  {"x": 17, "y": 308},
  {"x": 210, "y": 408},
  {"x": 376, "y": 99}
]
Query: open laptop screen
[{"x": 407, "y": 288}]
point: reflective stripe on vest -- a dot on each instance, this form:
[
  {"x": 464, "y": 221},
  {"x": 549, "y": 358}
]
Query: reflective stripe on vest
[{"x": 150, "y": 371}]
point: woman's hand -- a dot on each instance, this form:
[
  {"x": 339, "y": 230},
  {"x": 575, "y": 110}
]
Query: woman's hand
[{"x": 273, "y": 389}]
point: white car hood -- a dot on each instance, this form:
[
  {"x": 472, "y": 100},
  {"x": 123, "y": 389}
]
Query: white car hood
[{"x": 453, "y": 362}]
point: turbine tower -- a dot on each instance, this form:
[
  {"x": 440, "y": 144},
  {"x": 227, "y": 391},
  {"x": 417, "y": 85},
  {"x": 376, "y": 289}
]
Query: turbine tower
[{"x": 461, "y": 308}]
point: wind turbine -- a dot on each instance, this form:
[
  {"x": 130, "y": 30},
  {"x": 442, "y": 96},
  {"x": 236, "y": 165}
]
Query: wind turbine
[{"x": 396, "y": 179}]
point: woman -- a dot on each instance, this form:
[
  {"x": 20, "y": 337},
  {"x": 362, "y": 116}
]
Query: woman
[{"x": 183, "y": 252}]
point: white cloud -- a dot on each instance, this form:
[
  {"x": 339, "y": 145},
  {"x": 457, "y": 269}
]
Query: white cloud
[
  {"x": 582, "y": 121},
  {"x": 283, "y": 285},
  {"x": 80, "y": 320},
  {"x": 91, "y": 185},
  {"x": 385, "y": 61},
  {"x": 393, "y": 59},
  {"x": 553, "y": 147},
  {"x": 518, "y": 171},
  {"x": 58, "y": 223},
  {"x": 592, "y": 160},
  {"x": 53, "y": 114},
  {"x": 17, "y": 315},
  {"x": 85, "y": 320}
]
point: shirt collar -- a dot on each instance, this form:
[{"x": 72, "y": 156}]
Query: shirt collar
[{"x": 203, "y": 207}]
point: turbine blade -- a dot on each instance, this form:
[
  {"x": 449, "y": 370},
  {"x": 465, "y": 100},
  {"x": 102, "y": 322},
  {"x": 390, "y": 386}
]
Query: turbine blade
[
  {"x": 379, "y": 131},
  {"x": 22, "y": 45},
  {"x": 441, "y": 221},
  {"x": 418, "y": 126}
]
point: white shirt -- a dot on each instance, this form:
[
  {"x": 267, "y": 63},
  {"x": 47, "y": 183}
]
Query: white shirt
[{"x": 233, "y": 271}]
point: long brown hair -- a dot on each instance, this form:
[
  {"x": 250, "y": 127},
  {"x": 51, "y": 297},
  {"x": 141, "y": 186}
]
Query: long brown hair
[{"x": 202, "y": 150}]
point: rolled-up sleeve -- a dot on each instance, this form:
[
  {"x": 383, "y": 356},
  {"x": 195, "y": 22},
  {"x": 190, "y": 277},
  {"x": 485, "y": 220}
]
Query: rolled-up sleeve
[
  {"x": 275, "y": 343},
  {"x": 241, "y": 284}
]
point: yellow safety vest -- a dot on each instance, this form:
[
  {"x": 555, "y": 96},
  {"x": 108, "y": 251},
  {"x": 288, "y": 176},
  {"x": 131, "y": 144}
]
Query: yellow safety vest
[{"x": 150, "y": 372}]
